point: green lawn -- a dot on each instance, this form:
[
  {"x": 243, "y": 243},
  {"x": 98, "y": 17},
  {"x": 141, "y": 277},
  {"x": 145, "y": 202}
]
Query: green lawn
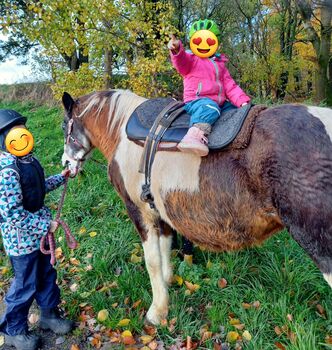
[{"x": 275, "y": 292}]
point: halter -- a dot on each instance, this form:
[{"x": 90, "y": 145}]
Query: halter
[{"x": 76, "y": 142}]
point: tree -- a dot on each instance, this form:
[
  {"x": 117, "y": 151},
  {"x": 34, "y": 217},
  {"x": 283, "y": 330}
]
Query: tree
[{"x": 320, "y": 37}]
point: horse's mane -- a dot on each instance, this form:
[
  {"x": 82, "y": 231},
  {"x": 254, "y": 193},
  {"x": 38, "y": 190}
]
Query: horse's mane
[{"x": 119, "y": 103}]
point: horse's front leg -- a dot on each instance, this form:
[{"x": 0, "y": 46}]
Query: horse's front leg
[
  {"x": 154, "y": 264},
  {"x": 165, "y": 241}
]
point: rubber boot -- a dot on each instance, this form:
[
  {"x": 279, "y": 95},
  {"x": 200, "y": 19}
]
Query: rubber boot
[
  {"x": 26, "y": 341},
  {"x": 51, "y": 319}
]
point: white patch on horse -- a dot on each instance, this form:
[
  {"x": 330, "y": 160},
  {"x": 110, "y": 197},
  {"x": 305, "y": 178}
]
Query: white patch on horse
[
  {"x": 153, "y": 260},
  {"x": 324, "y": 115},
  {"x": 328, "y": 278}
]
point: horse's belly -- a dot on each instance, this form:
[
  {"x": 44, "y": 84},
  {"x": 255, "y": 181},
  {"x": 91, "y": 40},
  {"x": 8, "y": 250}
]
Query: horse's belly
[{"x": 220, "y": 224}]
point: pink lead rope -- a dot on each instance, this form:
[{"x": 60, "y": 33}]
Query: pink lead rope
[{"x": 71, "y": 242}]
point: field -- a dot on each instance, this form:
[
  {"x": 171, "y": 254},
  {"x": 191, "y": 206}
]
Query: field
[{"x": 270, "y": 297}]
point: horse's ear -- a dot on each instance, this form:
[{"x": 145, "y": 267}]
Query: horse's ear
[{"x": 68, "y": 102}]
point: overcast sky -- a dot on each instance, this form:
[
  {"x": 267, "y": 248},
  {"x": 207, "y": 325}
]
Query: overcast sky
[{"x": 12, "y": 72}]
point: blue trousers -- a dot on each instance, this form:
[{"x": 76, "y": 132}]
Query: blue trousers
[
  {"x": 205, "y": 110},
  {"x": 35, "y": 278}
]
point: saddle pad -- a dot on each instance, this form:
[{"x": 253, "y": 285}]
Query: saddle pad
[{"x": 223, "y": 132}]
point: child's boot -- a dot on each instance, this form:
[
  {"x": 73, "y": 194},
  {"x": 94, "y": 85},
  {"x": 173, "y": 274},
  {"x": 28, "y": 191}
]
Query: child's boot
[
  {"x": 25, "y": 341},
  {"x": 195, "y": 140},
  {"x": 51, "y": 319}
]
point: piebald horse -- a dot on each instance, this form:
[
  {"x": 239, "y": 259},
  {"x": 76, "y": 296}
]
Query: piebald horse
[{"x": 231, "y": 199}]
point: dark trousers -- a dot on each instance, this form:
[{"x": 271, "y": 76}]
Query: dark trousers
[{"x": 35, "y": 278}]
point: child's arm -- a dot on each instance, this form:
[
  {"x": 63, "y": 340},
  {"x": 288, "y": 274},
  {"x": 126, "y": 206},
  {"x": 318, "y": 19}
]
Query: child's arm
[
  {"x": 181, "y": 60},
  {"x": 11, "y": 206},
  {"x": 233, "y": 92},
  {"x": 53, "y": 182}
]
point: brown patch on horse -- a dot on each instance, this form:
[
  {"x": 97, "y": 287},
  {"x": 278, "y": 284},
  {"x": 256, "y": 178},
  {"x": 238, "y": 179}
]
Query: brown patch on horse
[
  {"x": 134, "y": 213},
  {"x": 96, "y": 115}
]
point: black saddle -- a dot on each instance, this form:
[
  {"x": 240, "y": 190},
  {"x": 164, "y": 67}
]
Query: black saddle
[{"x": 223, "y": 132}]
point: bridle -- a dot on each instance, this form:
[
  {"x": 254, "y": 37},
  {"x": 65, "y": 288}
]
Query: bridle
[
  {"x": 70, "y": 138},
  {"x": 74, "y": 140}
]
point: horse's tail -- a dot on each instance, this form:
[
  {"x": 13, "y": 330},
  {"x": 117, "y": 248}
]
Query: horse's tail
[{"x": 299, "y": 173}]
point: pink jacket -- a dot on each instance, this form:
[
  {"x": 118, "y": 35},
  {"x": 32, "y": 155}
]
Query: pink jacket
[{"x": 207, "y": 77}]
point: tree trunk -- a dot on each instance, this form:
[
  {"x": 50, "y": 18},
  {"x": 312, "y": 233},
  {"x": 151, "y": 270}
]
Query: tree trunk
[
  {"x": 108, "y": 68},
  {"x": 322, "y": 46}
]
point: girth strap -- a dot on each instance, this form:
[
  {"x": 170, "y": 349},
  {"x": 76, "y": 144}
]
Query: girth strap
[{"x": 157, "y": 131}]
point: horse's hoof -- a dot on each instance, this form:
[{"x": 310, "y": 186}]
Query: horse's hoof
[{"x": 153, "y": 317}]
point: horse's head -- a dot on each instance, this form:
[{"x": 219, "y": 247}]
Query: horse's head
[{"x": 78, "y": 146}]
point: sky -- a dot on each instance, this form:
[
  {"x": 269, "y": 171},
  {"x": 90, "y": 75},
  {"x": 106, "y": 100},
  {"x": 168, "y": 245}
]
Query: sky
[{"x": 12, "y": 71}]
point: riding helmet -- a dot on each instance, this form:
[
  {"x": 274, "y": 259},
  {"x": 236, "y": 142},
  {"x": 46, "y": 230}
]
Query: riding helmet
[
  {"x": 9, "y": 118},
  {"x": 207, "y": 24}
]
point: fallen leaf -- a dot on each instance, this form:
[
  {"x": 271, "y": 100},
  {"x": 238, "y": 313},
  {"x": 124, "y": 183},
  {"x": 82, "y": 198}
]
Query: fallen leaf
[
  {"x": 59, "y": 340},
  {"x": 191, "y": 287},
  {"x": 135, "y": 259},
  {"x": 234, "y": 321},
  {"x": 278, "y": 330},
  {"x": 82, "y": 230},
  {"x": 279, "y": 346},
  {"x": 239, "y": 326},
  {"x": 128, "y": 340},
  {"x": 74, "y": 261},
  {"x": 74, "y": 287},
  {"x": 136, "y": 303},
  {"x": 256, "y": 304},
  {"x": 150, "y": 330},
  {"x": 246, "y": 306},
  {"x": 58, "y": 253},
  {"x": 124, "y": 322},
  {"x": 232, "y": 336},
  {"x": 321, "y": 310},
  {"x": 289, "y": 317},
  {"x": 93, "y": 234},
  {"x": 178, "y": 280},
  {"x": 102, "y": 315},
  {"x": 209, "y": 264},
  {"x": 328, "y": 339},
  {"x": 153, "y": 345},
  {"x": 145, "y": 339},
  {"x": 74, "y": 347},
  {"x": 206, "y": 335},
  {"x": 222, "y": 283},
  {"x": 246, "y": 336}
]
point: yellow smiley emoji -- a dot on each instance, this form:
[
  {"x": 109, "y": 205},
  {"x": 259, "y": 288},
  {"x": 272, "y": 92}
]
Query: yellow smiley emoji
[
  {"x": 204, "y": 43},
  {"x": 19, "y": 142}
]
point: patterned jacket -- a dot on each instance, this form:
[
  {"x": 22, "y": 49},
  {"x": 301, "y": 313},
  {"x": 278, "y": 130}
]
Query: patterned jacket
[{"x": 21, "y": 230}]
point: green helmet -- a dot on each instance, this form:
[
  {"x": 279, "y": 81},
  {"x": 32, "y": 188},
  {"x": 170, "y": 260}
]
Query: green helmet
[{"x": 207, "y": 24}]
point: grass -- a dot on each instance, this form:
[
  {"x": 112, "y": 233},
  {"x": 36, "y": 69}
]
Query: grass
[{"x": 293, "y": 303}]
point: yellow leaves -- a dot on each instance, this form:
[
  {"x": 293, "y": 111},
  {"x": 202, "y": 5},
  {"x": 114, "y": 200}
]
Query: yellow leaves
[
  {"x": 246, "y": 336},
  {"x": 145, "y": 339},
  {"x": 232, "y": 336},
  {"x": 178, "y": 279},
  {"x": 124, "y": 322},
  {"x": 93, "y": 234},
  {"x": 74, "y": 347},
  {"x": 102, "y": 315},
  {"x": 135, "y": 259}
]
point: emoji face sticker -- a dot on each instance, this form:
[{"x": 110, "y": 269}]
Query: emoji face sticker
[
  {"x": 204, "y": 43},
  {"x": 19, "y": 142}
]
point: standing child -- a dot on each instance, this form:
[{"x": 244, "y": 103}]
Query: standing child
[
  {"x": 24, "y": 220},
  {"x": 208, "y": 86}
]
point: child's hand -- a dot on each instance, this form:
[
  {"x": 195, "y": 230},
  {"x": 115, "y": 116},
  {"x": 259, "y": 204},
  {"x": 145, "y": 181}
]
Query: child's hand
[
  {"x": 174, "y": 44},
  {"x": 53, "y": 226},
  {"x": 65, "y": 172}
]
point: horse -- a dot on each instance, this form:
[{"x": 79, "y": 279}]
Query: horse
[{"x": 229, "y": 200}]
